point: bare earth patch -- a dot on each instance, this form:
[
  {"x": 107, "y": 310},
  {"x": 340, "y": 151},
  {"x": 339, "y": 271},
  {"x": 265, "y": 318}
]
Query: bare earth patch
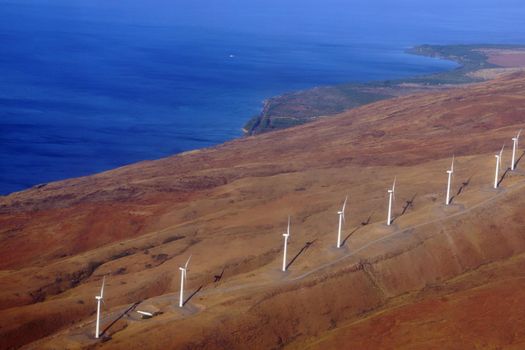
[{"x": 506, "y": 58}]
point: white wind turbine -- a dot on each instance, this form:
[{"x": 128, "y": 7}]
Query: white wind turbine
[
  {"x": 341, "y": 214},
  {"x": 449, "y": 172},
  {"x": 286, "y": 236},
  {"x": 100, "y": 299},
  {"x": 183, "y": 272},
  {"x": 515, "y": 141},
  {"x": 498, "y": 165},
  {"x": 391, "y": 196}
]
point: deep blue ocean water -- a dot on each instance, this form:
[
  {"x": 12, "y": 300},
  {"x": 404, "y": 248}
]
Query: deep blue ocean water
[{"x": 86, "y": 86}]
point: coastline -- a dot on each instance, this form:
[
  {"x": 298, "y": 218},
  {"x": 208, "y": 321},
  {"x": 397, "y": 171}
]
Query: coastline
[
  {"x": 299, "y": 107},
  {"x": 137, "y": 223}
]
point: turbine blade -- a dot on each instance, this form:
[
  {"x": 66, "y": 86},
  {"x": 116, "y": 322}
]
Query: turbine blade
[
  {"x": 452, "y": 166},
  {"x": 186, "y": 265},
  {"x": 501, "y": 152},
  {"x": 288, "y": 229},
  {"x": 519, "y": 133},
  {"x": 394, "y": 184},
  {"x": 343, "y": 210},
  {"x": 102, "y": 288}
]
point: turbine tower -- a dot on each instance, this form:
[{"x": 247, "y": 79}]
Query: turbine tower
[
  {"x": 498, "y": 165},
  {"x": 183, "y": 271},
  {"x": 515, "y": 141},
  {"x": 286, "y": 236},
  {"x": 449, "y": 172},
  {"x": 391, "y": 196},
  {"x": 341, "y": 214},
  {"x": 100, "y": 299}
]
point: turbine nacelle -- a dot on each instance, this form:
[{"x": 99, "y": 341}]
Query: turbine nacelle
[
  {"x": 100, "y": 299},
  {"x": 182, "y": 280},
  {"x": 342, "y": 220},
  {"x": 393, "y": 189},
  {"x": 515, "y": 141},
  {"x": 391, "y": 198},
  {"x": 449, "y": 172},
  {"x": 101, "y": 296},
  {"x": 185, "y": 266},
  {"x": 286, "y": 235},
  {"x": 498, "y": 158}
]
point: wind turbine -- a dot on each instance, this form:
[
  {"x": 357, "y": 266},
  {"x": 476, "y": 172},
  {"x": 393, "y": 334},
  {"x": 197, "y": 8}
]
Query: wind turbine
[
  {"x": 391, "y": 196},
  {"x": 183, "y": 271},
  {"x": 100, "y": 298},
  {"x": 515, "y": 141},
  {"x": 341, "y": 214},
  {"x": 449, "y": 172},
  {"x": 286, "y": 236},
  {"x": 498, "y": 165}
]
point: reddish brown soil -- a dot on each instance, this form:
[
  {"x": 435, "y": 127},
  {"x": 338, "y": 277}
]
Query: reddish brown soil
[
  {"x": 227, "y": 206},
  {"x": 480, "y": 310},
  {"x": 506, "y": 58}
]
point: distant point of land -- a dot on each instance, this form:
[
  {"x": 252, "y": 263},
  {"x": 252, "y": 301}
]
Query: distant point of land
[{"x": 476, "y": 63}]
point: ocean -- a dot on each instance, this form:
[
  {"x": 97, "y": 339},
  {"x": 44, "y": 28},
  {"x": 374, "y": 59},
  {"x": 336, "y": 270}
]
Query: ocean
[{"x": 87, "y": 86}]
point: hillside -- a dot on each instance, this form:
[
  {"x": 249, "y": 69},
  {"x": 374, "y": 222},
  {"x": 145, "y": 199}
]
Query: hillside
[{"x": 439, "y": 277}]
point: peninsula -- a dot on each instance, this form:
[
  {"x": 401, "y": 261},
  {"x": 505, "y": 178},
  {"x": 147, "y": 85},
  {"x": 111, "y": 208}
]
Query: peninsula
[{"x": 476, "y": 63}]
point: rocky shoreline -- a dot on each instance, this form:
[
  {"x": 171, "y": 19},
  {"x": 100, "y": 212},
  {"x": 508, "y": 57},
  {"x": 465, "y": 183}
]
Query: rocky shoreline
[{"x": 303, "y": 106}]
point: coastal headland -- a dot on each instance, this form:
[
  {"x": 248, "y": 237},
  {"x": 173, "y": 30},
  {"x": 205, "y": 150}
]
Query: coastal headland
[{"x": 476, "y": 63}]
